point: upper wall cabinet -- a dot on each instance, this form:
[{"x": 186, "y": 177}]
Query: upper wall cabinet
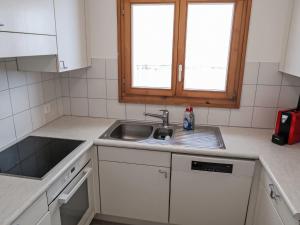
[
  {"x": 290, "y": 63},
  {"x": 27, "y": 28},
  {"x": 71, "y": 41},
  {"x": 30, "y": 16}
]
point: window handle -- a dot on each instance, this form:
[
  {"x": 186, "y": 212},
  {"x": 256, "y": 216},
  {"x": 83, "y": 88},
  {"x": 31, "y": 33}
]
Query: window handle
[{"x": 180, "y": 72}]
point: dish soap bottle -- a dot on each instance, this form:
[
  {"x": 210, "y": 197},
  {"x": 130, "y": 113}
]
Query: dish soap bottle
[{"x": 189, "y": 119}]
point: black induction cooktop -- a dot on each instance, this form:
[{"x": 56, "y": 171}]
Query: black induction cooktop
[{"x": 35, "y": 156}]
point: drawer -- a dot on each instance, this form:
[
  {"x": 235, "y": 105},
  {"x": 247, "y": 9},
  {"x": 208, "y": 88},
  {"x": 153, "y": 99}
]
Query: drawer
[
  {"x": 134, "y": 156},
  {"x": 279, "y": 203},
  {"x": 34, "y": 213}
]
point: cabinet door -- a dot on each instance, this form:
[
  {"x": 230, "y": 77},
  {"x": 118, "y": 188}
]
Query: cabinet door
[
  {"x": 30, "y": 16},
  {"x": 71, "y": 34},
  {"x": 134, "y": 191},
  {"x": 265, "y": 213},
  {"x": 39, "y": 17},
  {"x": 292, "y": 57}
]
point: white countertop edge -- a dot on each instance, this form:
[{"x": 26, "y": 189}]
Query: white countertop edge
[{"x": 294, "y": 212}]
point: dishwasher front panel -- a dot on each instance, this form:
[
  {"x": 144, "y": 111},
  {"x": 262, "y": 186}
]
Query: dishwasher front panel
[{"x": 209, "y": 191}]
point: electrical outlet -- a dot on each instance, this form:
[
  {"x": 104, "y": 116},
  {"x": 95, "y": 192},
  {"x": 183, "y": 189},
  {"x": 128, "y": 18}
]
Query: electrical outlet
[{"x": 47, "y": 108}]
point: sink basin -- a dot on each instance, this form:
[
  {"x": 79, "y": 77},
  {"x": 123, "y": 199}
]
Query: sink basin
[
  {"x": 155, "y": 134},
  {"x": 131, "y": 132},
  {"x": 163, "y": 133}
]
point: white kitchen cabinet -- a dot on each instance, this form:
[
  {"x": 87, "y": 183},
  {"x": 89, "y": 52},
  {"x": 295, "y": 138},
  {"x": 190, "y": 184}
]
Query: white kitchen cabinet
[
  {"x": 17, "y": 44},
  {"x": 133, "y": 190},
  {"x": 35, "y": 214},
  {"x": 271, "y": 208},
  {"x": 28, "y": 16},
  {"x": 71, "y": 41},
  {"x": 290, "y": 62},
  {"x": 27, "y": 28},
  {"x": 265, "y": 213}
]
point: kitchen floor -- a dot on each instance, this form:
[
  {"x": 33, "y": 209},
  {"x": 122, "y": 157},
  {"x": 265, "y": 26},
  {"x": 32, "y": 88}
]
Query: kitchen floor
[{"x": 99, "y": 222}]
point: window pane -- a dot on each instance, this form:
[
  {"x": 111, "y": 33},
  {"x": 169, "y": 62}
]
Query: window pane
[
  {"x": 152, "y": 44},
  {"x": 208, "y": 42}
]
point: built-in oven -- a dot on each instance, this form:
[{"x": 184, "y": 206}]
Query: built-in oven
[{"x": 73, "y": 205}]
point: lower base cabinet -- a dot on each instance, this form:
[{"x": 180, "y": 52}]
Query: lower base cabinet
[
  {"x": 265, "y": 213},
  {"x": 134, "y": 191}
]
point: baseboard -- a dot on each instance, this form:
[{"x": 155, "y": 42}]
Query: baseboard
[{"x": 123, "y": 220}]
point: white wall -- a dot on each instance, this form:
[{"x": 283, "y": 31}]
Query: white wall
[
  {"x": 268, "y": 23},
  {"x": 103, "y": 28}
]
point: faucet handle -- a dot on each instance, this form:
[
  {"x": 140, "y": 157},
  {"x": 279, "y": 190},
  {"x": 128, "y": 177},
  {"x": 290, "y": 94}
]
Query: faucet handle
[{"x": 165, "y": 111}]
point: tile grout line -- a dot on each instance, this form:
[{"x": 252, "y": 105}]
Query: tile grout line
[{"x": 255, "y": 95}]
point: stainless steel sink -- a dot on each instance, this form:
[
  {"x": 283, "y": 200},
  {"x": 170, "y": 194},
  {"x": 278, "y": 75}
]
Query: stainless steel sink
[
  {"x": 154, "y": 133},
  {"x": 131, "y": 132},
  {"x": 163, "y": 133}
]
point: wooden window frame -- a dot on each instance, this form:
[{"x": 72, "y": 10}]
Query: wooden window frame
[{"x": 228, "y": 99}]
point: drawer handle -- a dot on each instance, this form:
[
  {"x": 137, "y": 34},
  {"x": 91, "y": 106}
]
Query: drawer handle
[
  {"x": 165, "y": 173},
  {"x": 273, "y": 193}
]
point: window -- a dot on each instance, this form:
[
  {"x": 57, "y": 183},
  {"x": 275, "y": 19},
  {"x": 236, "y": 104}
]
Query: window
[{"x": 182, "y": 51}]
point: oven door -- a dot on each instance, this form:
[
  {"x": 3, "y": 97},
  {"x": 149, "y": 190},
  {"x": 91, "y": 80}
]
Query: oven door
[{"x": 74, "y": 205}]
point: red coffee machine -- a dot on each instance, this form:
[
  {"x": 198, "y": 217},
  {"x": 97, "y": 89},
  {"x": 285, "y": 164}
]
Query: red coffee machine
[{"x": 287, "y": 129}]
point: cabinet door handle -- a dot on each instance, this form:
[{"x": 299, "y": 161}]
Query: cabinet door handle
[
  {"x": 273, "y": 192},
  {"x": 2, "y": 24},
  {"x": 165, "y": 173},
  {"x": 63, "y": 64}
]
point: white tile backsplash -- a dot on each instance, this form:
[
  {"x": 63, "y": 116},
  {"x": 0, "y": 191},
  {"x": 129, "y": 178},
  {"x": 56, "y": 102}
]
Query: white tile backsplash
[
  {"x": 269, "y": 74},
  {"x": 201, "y": 115},
  {"x": 241, "y": 117},
  {"x": 15, "y": 78},
  {"x": 19, "y": 99},
  {"x": 135, "y": 111},
  {"x": 33, "y": 77},
  {"x": 111, "y": 69},
  {"x": 219, "y": 117},
  {"x": 251, "y": 73},
  {"x": 264, "y": 117},
  {"x": 5, "y": 109},
  {"x": 49, "y": 90},
  {"x": 97, "y": 70},
  {"x": 96, "y": 88},
  {"x": 289, "y": 96},
  {"x": 36, "y": 95},
  {"x": 115, "y": 110},
  {"x": 78, "y": 88},
  {"x": 112, "y": 89},
  {"x": 248, "y": 95},
  {"x": 79, "y": 107},
  {"x": 267, "y": 96},
  {"x": 24, "y": 98},
  {"x": 290, "y": 80},
  {"x": 23, "y": 123},
  {"x": 7, "y": 131},
  {"x": 264, "y": 90},
  {"x": 3, "y": 77},
  {"x": 97, "y": 108}
]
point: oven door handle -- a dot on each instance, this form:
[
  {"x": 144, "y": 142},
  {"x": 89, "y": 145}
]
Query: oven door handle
[{"x": 65, "y": 198}]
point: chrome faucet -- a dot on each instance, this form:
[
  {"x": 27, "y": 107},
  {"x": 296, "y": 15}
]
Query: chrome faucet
[{"x": 164, "y": 117}]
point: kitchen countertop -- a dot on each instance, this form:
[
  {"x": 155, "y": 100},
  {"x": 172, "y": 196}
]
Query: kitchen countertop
[
  {"x": 17, "y": 194},
  {"x": 281, "y": 162}
]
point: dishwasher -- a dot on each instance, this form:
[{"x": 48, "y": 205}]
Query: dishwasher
[{"x": 209, "y": 191}]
